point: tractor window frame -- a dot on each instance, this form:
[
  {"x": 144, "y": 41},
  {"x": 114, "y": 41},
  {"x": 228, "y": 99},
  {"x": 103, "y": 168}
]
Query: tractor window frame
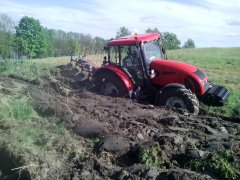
[
  {"x": 117, "y": 53},
  {"x": 114, "y": 55},
  {"x": 149, "y": 59}
]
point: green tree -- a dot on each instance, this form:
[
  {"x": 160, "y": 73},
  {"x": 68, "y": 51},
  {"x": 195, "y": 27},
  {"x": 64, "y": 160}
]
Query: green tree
[
  {"x": 31, "y": 38},
  {"x": 6, "y": 35},
  {"x": 189, "y": 44},
  {"x": 170, "y": 40},
  {"x": 154, "y": 30},
  {"x": 6, "y": 23},
  {"x": 99, "y": 43},
  {"x": 61, "y": 43},
  {"x": 123, "y": 31},
  {"x": 73, "y": 46},
  {"x": 86, "y": 44}
]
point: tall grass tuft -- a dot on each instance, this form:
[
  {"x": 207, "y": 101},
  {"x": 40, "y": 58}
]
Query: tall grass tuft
[
  {"x": 15, "y": 109},
  {"x": 21, "y": 110},
  {"x": 30, "y": 69}
]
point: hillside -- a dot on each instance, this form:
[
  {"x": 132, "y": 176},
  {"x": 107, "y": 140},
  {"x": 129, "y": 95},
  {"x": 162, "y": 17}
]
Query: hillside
[{"x": 52, "y": 126}]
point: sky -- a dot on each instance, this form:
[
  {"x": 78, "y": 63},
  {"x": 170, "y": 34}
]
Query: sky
[{"x": 210, "y": 23}]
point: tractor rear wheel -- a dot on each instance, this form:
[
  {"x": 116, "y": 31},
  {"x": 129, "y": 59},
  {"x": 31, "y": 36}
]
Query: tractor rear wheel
[
  {"x": 179, "y": 97},
  {"x": 109, "y": 84}
]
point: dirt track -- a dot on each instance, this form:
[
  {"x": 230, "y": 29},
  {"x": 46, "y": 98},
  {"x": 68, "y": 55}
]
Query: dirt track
[{"x": 118, "y": 132}]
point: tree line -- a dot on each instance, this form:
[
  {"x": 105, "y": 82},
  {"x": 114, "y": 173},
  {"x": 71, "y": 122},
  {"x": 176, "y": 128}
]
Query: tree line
[{"x": 29, "y": 39}]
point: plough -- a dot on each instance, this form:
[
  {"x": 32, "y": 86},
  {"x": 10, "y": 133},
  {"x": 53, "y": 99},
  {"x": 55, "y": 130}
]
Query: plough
[{"x": 85, "y": 66}]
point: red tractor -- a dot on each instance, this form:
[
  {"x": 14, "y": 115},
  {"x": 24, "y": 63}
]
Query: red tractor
[{"x": 136, "y": 67}]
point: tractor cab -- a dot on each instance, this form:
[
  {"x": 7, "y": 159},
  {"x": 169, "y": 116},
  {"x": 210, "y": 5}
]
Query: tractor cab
[{"x": 134, "y": 54}]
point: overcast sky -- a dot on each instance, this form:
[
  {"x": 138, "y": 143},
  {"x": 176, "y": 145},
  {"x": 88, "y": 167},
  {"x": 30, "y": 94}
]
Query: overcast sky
[{"x": 210, "y": 23}]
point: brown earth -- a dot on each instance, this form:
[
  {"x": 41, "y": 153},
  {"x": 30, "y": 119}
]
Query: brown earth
[{"x": 117, "y": 132}]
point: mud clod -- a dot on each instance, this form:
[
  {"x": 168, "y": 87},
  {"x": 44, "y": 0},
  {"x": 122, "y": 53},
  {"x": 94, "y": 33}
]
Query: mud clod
[
  {"x": 114, "y": 144},
  {"x": 88, "y": 128}
]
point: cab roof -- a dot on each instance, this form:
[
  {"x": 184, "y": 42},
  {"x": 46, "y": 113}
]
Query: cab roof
[{"x": 133, "y": 39}]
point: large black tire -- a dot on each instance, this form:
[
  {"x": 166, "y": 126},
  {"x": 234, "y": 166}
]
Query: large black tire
[
  {"x": 109, "y": 84},
  {"x": 179, "y": 97}
]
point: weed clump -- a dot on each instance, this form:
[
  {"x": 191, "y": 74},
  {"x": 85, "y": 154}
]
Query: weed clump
[
  {"x": 15, "y": 108},
  {"x": 155, "y": 157},
  {"x": 150, "y": 157},
  {"x": 219, "y": 164},
  {"x": 97, "y": 139}
]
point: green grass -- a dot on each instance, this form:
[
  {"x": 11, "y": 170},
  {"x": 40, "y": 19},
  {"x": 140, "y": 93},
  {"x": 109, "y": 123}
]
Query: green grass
[
  {"x": 31, "y": 69},
  {"x": 222, "y": 65},
  {"x": 24, "y": 125},
  {"x": 151, "y": 156},
  {"x": 21, "y": 110},
  {"x": 39, "y": 141},
  {"x": 220, "y": 164},
  {"x": 97, "y": 139}
]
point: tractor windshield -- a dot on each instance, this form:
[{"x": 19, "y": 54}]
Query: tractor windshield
[{"x": 152, "y": 51}]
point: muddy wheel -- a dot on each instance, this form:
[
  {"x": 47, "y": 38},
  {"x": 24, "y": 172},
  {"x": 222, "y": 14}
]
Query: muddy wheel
[
  {"x": 109, "y": 84},
  {"x": 179, "y": 98}
]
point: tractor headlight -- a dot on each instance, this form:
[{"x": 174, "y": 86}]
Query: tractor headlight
[{"x": 152, "y": 74}]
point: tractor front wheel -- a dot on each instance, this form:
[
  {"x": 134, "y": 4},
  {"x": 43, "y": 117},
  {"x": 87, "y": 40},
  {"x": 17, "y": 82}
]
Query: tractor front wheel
[
  {"x": 179, "y": 97},
  {"x": 110, "y": 85}
]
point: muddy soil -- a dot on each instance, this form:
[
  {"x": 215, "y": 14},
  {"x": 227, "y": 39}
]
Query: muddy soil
[{"x": 119, "y": 133}]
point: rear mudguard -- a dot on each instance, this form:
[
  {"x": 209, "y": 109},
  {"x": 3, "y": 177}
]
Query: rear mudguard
[{"x": 120, "y": 73}]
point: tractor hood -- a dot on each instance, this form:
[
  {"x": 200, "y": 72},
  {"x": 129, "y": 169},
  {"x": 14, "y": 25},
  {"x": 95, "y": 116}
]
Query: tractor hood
[
  {"x": 170, "y": 66},
  {"x": 169, "y": 71}
]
